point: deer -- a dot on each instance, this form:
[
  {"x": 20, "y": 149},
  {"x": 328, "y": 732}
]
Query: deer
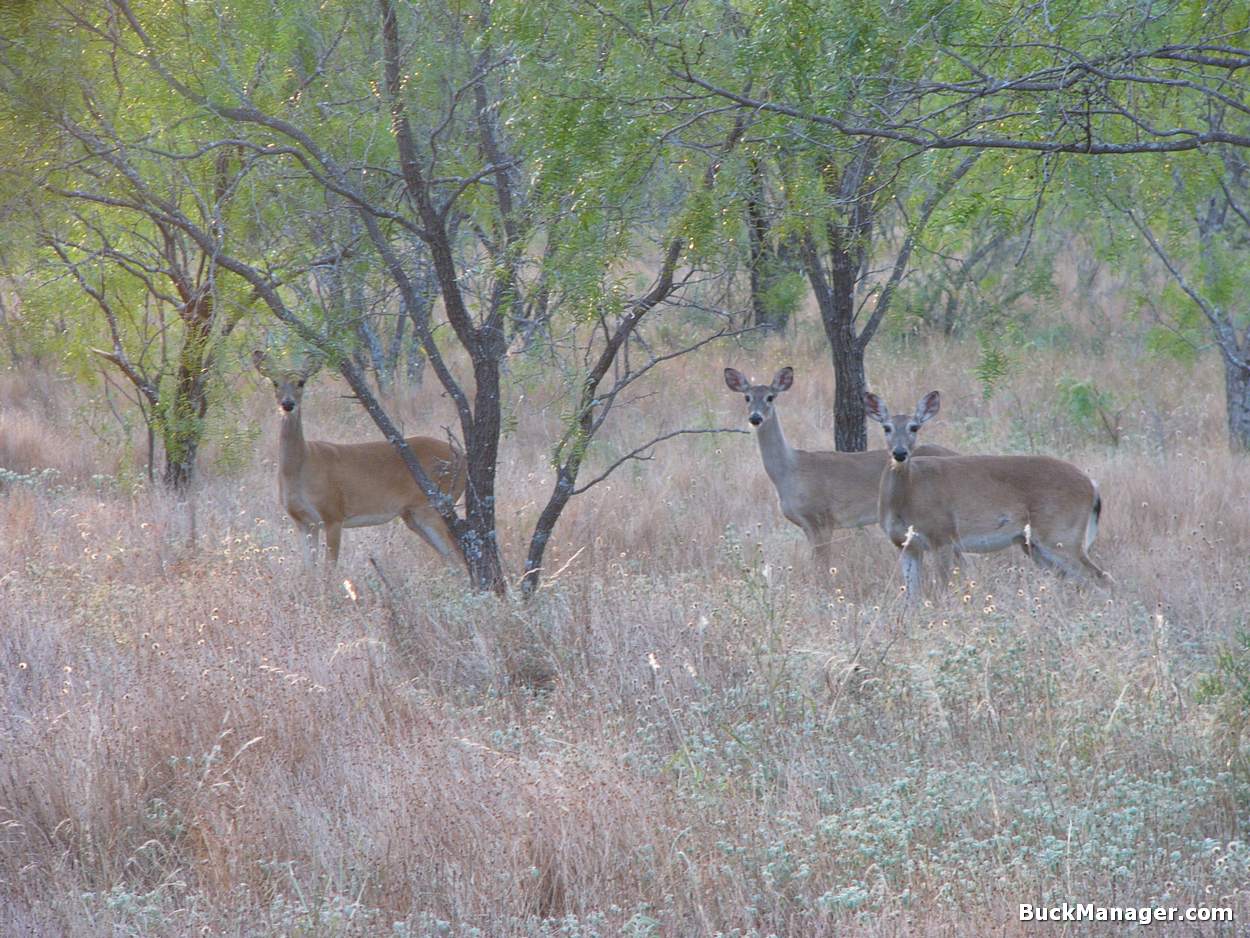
[
  {"x": 819, "y": 492},
  {"x": 332, "y": 486},
  {"x": 982, "y": 504}
]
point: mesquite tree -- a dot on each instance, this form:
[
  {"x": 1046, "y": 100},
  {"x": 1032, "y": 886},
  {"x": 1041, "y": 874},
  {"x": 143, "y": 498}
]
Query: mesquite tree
[
  {"x": 156, "y": 315},
  {"x": 455, "y": 131},
  {"x": 839, "y": 197}
]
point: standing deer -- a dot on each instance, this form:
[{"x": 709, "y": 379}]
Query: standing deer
[
  {"x": 981, "y": 504},
  {"x": 820, "y": 492},
  {"x": 338, "y": 485}
]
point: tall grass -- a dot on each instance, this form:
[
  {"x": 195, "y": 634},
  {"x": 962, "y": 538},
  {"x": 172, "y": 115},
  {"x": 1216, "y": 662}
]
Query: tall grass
[{"x": 687, "y": 732}]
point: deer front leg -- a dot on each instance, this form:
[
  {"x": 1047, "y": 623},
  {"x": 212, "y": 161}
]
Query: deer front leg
[
  {"x": 909, "y": 561},
  {"x": 306, "y": 534},
  {"x": 946, "y": 559},
  {"x": 822, "y": 550},
  {"x": 334, "y": 537}
]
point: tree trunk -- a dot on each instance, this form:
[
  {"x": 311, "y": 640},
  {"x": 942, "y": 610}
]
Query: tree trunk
[
  {"x": 396, "y": 345},
  {"x": 767, "y": 264},
  {"x": 371, "y": 345},
  {"x": 183, "y": 419},
  {"x": 479, "y": 542},
  {"x": 416, "y": 363},
  {"x": 566, "y": 479},
  {"x": 757, "y": 241},
  {"x": 837, "y": 312},
  {"x": 950, "y": 314},
  {"x": 1237, "y": 397},
  {"x": 850, "y": 431}
]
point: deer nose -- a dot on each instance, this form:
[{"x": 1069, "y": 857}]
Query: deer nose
[
  {"x": 755, "y": 420},
  {"x": 288, "y": 405},
  {"x": 900, "y": 454}
]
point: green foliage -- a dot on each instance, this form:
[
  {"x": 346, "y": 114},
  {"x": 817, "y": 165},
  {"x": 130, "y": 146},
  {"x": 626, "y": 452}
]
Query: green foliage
[
  {"x": 1225, "y": 693},
  {"x": 784, "y": 295},
  {"x": 1183, "y": 334},
  {"x": 1083, "y": 401},
  {"x": 992, "y": 366}
]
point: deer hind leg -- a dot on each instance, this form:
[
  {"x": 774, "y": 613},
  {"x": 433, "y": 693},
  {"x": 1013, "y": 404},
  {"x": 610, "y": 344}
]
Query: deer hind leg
[
  {"x": 431, "y": 530},
  {"x": 1055, "y": 559},
  {"x": 1075, "y": 562},
  {"x": 1096, "y": 573}
]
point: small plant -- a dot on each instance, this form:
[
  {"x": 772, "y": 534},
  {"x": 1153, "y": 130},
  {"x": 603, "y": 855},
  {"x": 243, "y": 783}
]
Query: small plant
[
  {"x": 992, "y": 366},
  {"x": 1226, "y": 692},
  {"x": 1091, "y": 408},
  {"x": 40, "y": 479}
]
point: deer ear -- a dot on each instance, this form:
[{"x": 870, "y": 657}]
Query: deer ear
[
  {"x": 784, "y": 379},
  {"x": 928, "y": 407},
  {"x": 875, "y": 407},
  {"x": 736, "y": 380}
]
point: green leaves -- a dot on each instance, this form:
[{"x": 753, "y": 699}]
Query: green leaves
[{"x": 992, "y": 366}]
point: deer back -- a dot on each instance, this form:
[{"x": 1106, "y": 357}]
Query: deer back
[
  {"x": 962, "y": 498},
  {"x": 369, "y": 481}
]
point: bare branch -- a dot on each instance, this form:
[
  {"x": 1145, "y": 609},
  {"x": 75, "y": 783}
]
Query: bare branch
[{"x": 643, "y": 453}]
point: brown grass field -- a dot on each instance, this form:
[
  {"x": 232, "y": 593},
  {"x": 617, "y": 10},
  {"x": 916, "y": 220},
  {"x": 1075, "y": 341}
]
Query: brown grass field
[{"x": 687, "y": 732}]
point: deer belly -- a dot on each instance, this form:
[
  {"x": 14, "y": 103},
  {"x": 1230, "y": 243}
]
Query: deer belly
[
  {"x": 988, "y": 541},
  {"x": 364, "y": 521}
]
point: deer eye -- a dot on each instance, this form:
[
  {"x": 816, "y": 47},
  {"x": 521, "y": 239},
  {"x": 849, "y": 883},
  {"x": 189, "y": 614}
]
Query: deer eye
[
  {"x": 748, "y": 398},
  {"x": 301, "y": 384},
  {"x": 913, "y": 427},
  {"x": 769, "y": 398}
]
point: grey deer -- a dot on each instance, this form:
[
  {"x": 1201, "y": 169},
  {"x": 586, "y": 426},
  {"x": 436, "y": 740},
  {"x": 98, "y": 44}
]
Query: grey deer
[
  {"x": 981, "y": 504},
  {"x": 819, "y": 491}
]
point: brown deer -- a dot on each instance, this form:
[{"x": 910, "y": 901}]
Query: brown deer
[
  {"x": 350, "y": 485},
  {"x": 822, "y": 491},
  {"x": 980, "y": 504}
]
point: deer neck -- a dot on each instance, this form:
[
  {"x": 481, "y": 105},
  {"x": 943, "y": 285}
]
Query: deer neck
[
  {"x": 291, "y": 446},
  {"x": 896, "y": 483},
  {"x": 779, "y": 458}
]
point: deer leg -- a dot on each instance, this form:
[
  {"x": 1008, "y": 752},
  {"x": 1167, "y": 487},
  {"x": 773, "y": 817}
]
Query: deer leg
[
  {"x": 1050, "y": 558},
  {"x": 334, "y": 536},
  {"x": 306, "y": 534},
  {"x": 945, "y": 560},
  {"x": 1099, "y": 575},
  {"x": 822, "y": 549},
  {"x": 436, "y": 535},
  {"x": 910, "y": 563}
]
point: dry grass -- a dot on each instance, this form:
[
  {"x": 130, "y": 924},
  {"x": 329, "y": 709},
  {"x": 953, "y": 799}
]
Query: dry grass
[{"x": 686, "y": 733}]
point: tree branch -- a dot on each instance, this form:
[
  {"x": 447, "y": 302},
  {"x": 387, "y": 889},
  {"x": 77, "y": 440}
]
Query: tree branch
[{"x": 637, "y": 453}]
